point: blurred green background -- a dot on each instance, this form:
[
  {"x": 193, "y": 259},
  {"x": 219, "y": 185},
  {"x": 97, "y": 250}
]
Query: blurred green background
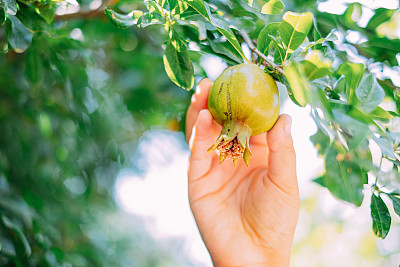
[{"x": 75, "y": 110}]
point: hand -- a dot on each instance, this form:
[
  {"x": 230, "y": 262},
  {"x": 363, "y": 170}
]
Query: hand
[{"x": 246, "y": 215}]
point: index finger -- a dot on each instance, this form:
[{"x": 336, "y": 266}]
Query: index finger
[{"x": 199, "y": 102}]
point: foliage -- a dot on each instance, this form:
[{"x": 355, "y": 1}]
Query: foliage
[
  {"x": 303, "y": 51},
  {"x": 75, "y": 90}
]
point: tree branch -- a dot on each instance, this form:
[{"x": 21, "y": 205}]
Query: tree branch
[
  {"x": 254, "y": 49},
  {"x": 84, "y": 14}
]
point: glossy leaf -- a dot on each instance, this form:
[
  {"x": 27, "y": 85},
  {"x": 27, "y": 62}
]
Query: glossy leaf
[
  {"x": 149, "y": 18},
  {"x": 381, "y": 15},
  {"x": 352, "y": 73},
  {"x": 264, "y": 39},
  {"x": 47, "y": 12},
  {"x": 226, "y": 49},
  {"x": 381, "y": 219},
  {"x": 304, "y": 47},
  {"x": 242, "y": 24},
  {"x": 34, "y": 65},
  {"x": 293, "y": 30},
  {"x": 369, "y": 94},
  {"x": 343, "y": 178},
  {"x": 204, "y": 9},
  {"x": 20, "y": 37},
  {"x": 299, "y": 87},
  {"x": 123, "y": 21},
  {"x": 178, "y": 64},
  {"x": 396, "y": 202},
  {"x": 266, "y": 6},
  {"x": 380, "y": 114}
]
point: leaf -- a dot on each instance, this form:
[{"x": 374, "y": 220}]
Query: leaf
[
  {"x": 381, "y": 15},
  {"x": 264, "y": 39},
  {"x": 279, "y": 51},
  {"x": 396, "y": 202},
  {"x": 321, "y": 141},
  {"x": 172, "y": 4},
  {"x": 123, "y": 21},
  {"x": 19, "y": 37},
  {"x": 303, "y": 48},
  {"x": 242, "y": 24},
  {"x": 319, "y": 180},
  {"x": 266, "y": 6},
  {"x": 225, "y": 48},
  {"x": 381, "y": 219},
  {"x": 380, "y": 114},
  {"x": 47, "y": 12},
  {"x": 343, "y": 178},
  {"x": 386, "y": 146},
  {"x": 203, "y": 9},
  {"x": 299, "y": 87},
  {"x": 315, "y": 66},
  {"x": 356, "y": 129},
  {"x": 10, "y": 6},
  {"x": 178, "y": 64},
  {"x": 352, "y": 73},
  {"x": 293, "y": 30},
  {"x": 34, "y": 65},
  {"x": 21, "y": 244},
  {"x": 2, "y": 17},
  {"x": 369, "y": 94},
  {"x": 149, "y": 18}
]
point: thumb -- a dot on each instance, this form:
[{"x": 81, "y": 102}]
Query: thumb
[
  {"x": 202, "y": 138},
  {"x": 282, "y": 157}
]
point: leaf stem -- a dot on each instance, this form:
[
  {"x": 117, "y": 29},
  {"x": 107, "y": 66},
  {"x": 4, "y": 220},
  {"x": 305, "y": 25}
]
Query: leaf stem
[{"x": 254, "y": 49}]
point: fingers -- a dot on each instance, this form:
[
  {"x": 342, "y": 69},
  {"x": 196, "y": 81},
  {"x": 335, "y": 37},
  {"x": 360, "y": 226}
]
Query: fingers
[
  {"x": 199, "y": 102},
  {"x": 202, "y": 138},
  {"x": 282, "y": 157}
]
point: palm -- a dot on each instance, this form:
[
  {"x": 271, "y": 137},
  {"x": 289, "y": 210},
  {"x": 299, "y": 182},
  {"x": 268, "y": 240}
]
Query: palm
[{"x": 243, "y": 213}]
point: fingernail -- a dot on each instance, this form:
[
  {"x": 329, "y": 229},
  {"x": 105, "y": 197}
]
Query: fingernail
[{"x": 287, "y": 127}]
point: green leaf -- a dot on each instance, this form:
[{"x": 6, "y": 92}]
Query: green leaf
[
  {"x": 266, "y": 6},
  {"x": 343, "y": 178},
  {"x": 178, "y": 64},
  {"x": 225, "y": 48},
  {"x": 381, "y": 15},
  {"x": 381, "y": 219},
  {"x": 47, "y": 12},
  {"x": 203, "y": 9},
  {"x": 321, "y": 141},
  {"x": 356, "y": 129},
  {"x": 279, "y": 51},
  {"x": 10, "y": 6},
  {"x": 380, "y": 114},
  {"x": 315, "y": 66},
  {"x": 293, "y": 30},
  {"x": 150, "y": 18},
  {"x": 386, "y": 146},
  {"x": 153, "y": 7},
  {"x": 264, "y": 39},
  {"x": 34, "y": 66},
  {"x": 319, "y": 180},
  {"x": 172, "y": 4},
  {"x": 369, "y": 94},
  {"x": 396, "y": 203},
  {"x": 352, "y": 73},
  {"x": 123, "y": 21},
  {"x": 242, "y": 24},
  {"x": 298, "y": 86},
  {"x": 19, "y": 37},
  {"x": 303, "y": 48},
  {"x": 2, "y": 17}
]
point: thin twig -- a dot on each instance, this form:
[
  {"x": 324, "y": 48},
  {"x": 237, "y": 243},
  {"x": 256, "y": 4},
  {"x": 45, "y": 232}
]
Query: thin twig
[{"x": 254, "y": 49}]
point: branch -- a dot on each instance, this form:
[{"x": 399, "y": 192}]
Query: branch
[
  {"x": 254, "y": 49},
  {"x": 84, "y": 14}
]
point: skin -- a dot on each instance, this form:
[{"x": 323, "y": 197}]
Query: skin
[{"x": 246, "y": 215}]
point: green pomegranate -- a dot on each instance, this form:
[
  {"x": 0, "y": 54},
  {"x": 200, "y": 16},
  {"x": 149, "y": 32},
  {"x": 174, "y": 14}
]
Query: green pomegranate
[{"x": 245, "y": 101}]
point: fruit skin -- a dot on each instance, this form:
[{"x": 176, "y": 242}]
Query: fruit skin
[{"x": 245, "y": 101}]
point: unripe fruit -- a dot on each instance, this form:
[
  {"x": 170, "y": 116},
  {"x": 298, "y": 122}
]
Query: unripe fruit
[{"x": 245, "y": 101}]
